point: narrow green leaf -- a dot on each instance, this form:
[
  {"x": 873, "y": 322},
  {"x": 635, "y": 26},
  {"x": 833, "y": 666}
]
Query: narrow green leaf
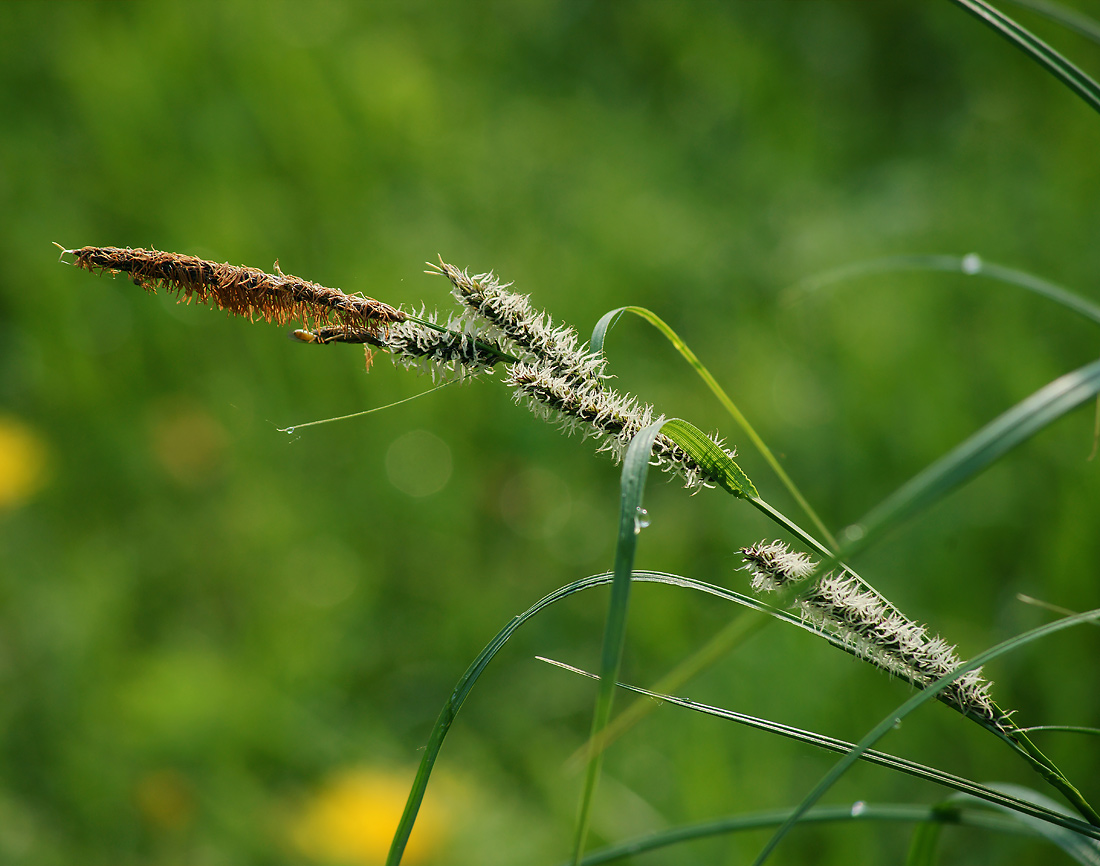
[
  {"x": 1073, "y": 77},
  {"x": 715, "y": 462},
  {"x": 597, "y": 344},
  {"x": 888, "y": 724},
  {"x": 458, "y": 697},
  {"x": 469, "y": 678},
  {"x": 1081, "y": 848},
  {"x": 924, "y": 843},
  {"x": 635, "y": 470},
  {"x": 1019, "y": 423},
  {"x": 466, "y": 682},
  {"x": 984, "y": 793},
  {"x": 820, "y": 815},
  {"x": 1063, "y": 729},
  {"x": 1070, "y": 18},
  {"x": 971, "y": 265}
]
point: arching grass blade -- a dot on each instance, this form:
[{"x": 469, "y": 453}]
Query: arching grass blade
[
  {"x": 984, "y": 793},
  {"x": 971, "y": 265},
  {"x": 821, "y": 815},
  {"x": 887, "y": 724},
  {"x": 1084, "y": 848},
  {"x": 1019, "y": 423},
  {"x": 1073, "y": 77},
  {"x": 1069, "y": 18},
  {"x": 599, "y": 338}
]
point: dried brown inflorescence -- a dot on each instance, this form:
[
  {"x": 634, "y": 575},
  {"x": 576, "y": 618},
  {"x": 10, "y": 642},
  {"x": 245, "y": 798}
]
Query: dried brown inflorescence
[{"x": 244, "y": 291}]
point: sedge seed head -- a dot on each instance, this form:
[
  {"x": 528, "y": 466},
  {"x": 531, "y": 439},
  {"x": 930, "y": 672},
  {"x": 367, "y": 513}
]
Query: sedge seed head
[{"x": 239, "y": 290}]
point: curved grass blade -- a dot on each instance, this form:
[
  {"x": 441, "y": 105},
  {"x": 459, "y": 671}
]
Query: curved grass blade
[
  {"x": 1084, "y": 848},
  {"x": 599, "y": 337},
  {"x": 1081, "y": 848},
  {"x": 736, "y": 632},
  {"x": 821, "y": 815},
  {"x": 971, "y": 265},
  {"x": 1071, "y": 76},
  {"x": 887, "y": 724},
  {"x": 1069, "y": 18},
  {"x": 1019, "y": 423},
  {"x": 985, "y": 793},
  {"x": 466, "y": 682},
  {"x": 1063, "y": 729},
  {"x": 635, "y": 470},
  {"x": 716, "y": 462},
  {"x": 924, "y": 843},
  {"x": 458, "y": 697}
]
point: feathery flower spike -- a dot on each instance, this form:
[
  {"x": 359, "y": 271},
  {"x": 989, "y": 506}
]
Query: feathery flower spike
[
  {"x": 604, "y": 414},
  {"x": 244, "y": 291},
  {"x": 531, "y": 331},
  {"x": 559, "y": 378},
  {"x": 873, "y": 628},
  {"x": 448, "y": 352}
]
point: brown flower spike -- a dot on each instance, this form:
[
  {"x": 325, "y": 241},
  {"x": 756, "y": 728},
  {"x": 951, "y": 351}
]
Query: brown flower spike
[{"x": 244, "y": 291}]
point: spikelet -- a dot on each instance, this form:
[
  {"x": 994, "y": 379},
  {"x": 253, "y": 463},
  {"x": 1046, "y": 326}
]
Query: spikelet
[
  {"x": 243, "y": 291},
  {"x": 610, "y": 417},
  {"x": 531, "y": 333},
  {"x": 873, "y": 628},
  {"x": 448, "y": 352}
]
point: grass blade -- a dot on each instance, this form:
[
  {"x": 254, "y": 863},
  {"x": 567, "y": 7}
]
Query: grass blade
[
  {"x": 887, "y": 724},
  {"x": 1073, "y": 77},
  {"x": 1069, "y": 18},
  {"x": 1082, "y": 849},
  {"x": 470, "y": 677},
  {"x": 971, "y": 265},
  {"x": 984, "y": 793},
  {"x": 923, "y": 844},
  {"x": 599, "y": 337},
  {"x": 458, "y": 697},
  {"x": 820, "y": 815},
  {"x": 713, "y": 459},
  {"x": 635, "y": 470},
  {"x": 1019, "y": 423}
]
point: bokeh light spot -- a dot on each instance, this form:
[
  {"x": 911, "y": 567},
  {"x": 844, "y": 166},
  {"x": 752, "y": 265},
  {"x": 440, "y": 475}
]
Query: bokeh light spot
[{"x": 419, "y": 463}]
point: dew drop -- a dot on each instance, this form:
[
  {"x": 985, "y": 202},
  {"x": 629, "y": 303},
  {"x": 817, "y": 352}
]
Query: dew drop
[
  {"x": 641, "y": 519},
  {"x": 858, "y": 808},
  {"x": 289, "y": 430},
  {"x": 897, "y": 724},
  {"x": 854, "y": 532},
  {"x": 971, "y": 263}
]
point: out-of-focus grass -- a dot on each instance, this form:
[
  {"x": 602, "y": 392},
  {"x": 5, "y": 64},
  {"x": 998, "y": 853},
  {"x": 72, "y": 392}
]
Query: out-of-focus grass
[{"x": 205, "y": 619}]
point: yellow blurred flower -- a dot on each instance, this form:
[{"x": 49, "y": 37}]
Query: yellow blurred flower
[
  {"x": 22, "y": 462},
  {"x": 352, "y": 818}
]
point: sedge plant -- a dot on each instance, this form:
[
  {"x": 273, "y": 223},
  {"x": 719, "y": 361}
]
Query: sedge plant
[
  {"x": 498, "y": 332},
  {"x": 803, "y": 580}
]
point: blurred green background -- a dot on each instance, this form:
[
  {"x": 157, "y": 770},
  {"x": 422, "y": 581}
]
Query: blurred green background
[{"x": 223, "y": 644}]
